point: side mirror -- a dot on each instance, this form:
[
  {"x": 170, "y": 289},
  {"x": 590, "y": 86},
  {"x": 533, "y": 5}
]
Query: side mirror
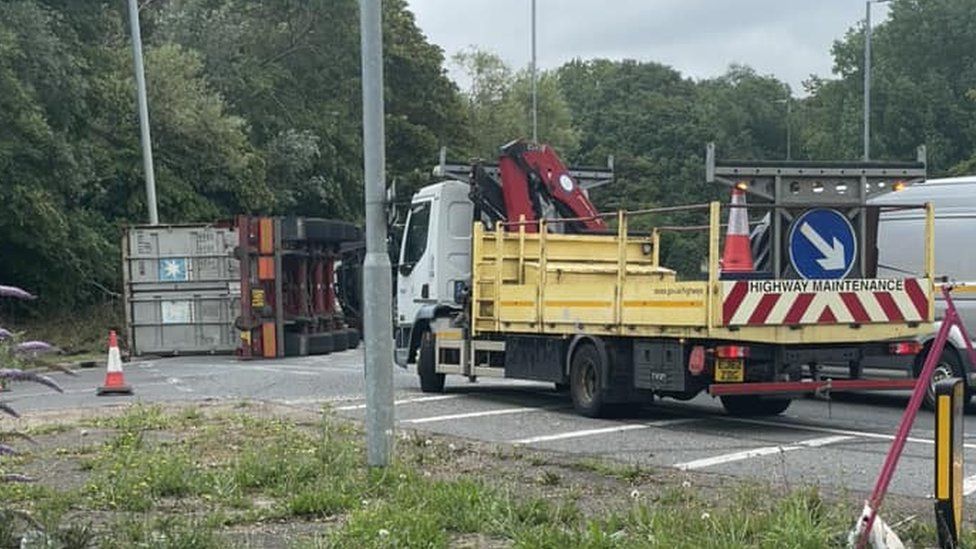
[{"x": 391, "y": 207}]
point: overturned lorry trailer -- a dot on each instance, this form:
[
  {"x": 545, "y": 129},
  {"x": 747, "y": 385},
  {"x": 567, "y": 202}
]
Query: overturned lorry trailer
[
  {"x": 262, "y": 287},
  {"x": 295, "y": 299},
  {"x": 599, "y": 314}
]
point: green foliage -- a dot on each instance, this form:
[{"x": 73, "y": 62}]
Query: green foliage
[
  {"x": 922, "y": 70},
  {"x": 254, "y": 107},
  {"x": 499, "y": 106}
]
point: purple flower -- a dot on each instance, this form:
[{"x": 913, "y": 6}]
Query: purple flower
[
  {"x": 13, "y": 374},
  {"x": 15, "y": 292},
  {"x": 36, "y": 347}
]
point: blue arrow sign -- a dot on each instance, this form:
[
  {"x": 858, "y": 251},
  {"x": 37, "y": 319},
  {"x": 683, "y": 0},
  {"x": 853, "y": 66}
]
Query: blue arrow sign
[{"x": 822, "y": 244}]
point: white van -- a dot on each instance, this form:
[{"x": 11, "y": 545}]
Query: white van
[{"x": 900, "y": 237}]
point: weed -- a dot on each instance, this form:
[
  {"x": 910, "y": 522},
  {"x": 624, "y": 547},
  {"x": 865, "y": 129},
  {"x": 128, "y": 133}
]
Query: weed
[
  {"x": 75, "y": 536},
  {"x": 140, "y": 418},
  {"x": 323, "y": 500},
  {"x": 162, "y": 533},
  {"x": 548, "y": 478},
  {"x": 191, "y": 415}
]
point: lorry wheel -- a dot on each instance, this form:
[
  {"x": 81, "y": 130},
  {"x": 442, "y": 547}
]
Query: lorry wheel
[
  {"x": 430, "y": 380},
  {"x": 585, "y": 386},
  {"x": 949, "y": 366},
  {"x": 754, "y": 405}
]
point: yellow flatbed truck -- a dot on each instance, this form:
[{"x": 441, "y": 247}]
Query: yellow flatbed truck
[{"x": 598, "y": 314}]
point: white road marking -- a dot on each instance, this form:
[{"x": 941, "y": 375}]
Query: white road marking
[
  {"x": 757, "y": 452},
  {"x": 969, "y": 485},
  {"x": 318, "y": 400},
  {"x": 286, "y": 371},
  {"x": 399, "y": 402},
  {"x": 831, "y": 430},
  {"x": 468, "y": 415},
  {"x": 602, "y": 431},
  {"x": 177, "y": 384}
]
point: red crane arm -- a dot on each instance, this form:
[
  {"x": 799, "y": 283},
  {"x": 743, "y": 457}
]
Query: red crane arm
[{"x": 531, "y": 172}]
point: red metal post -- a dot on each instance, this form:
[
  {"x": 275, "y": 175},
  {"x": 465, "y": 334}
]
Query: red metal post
[
  {"x": 318, "y": 288},
  {"x": 301, "y": 292},
  {"x": 330, "y": 301},
  {"x": 244, "y": 246},
  {"x": 779, "y": 387}
]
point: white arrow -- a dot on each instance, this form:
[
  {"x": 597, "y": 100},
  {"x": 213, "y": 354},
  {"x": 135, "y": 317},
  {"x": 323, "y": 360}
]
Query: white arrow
[{"x": 833, "y": 256}]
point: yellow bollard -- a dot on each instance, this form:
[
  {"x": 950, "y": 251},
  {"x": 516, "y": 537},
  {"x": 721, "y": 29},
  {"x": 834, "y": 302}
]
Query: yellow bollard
[{"x": 949, "y": 461}]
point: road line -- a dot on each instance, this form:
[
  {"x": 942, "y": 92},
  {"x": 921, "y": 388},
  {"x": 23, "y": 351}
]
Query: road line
[
  {"x": 831, "y": 430},
  {"x": 503, "y": 411},
  {"x": 602, "y": 431},
  {"x": 969, "y": 485},
  {"x": 758, "y": 452},
  {"x": 177, "y": 384},
  {"x": 286, "y": 371},
  {"x": 399, "y": 402},
  {"x": 19, "y": 396}
]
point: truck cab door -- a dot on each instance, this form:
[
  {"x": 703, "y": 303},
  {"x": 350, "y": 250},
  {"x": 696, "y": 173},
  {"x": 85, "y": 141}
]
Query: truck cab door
[
  {"x": 415, "y": 276},
  {"x": 435, "y": 257}
]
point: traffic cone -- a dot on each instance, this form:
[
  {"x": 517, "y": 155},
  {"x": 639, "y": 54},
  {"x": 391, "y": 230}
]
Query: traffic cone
[
  {"x": 737, "y": 256},
  {"x": 114, "y": 379}
]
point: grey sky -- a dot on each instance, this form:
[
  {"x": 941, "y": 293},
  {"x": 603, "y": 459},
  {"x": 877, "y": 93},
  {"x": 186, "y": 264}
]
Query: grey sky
[{"x": 790, "y": 39}]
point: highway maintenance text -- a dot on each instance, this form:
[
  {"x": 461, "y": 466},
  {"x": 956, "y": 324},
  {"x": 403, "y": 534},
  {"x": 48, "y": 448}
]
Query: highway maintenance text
[{"x": 803, "y": 286}]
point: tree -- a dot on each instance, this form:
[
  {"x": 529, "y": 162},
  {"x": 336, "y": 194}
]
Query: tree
[
  {"x": 254, "y": 107},
  {"x": 923, "y": 66},
  {"x": 499, "y": 105}
]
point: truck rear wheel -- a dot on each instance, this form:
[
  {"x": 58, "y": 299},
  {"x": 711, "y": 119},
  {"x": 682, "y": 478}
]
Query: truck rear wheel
[
  {"x": 585, "y": 381},
  {"x": 430, "y": 380},
  {"x": 754, "y": 405},
  {"x": 949, "y": 366}
]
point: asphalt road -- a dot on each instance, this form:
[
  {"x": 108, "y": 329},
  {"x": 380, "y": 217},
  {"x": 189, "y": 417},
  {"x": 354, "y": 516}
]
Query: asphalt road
[{"x": 840, "y": 444}]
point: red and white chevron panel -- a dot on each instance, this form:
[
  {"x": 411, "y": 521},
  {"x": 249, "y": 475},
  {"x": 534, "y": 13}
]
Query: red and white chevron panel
[{"x": 798, "y": 302}]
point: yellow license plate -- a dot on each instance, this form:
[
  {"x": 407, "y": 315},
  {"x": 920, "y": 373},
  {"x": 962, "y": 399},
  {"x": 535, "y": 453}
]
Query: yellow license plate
[{"x": 730, "y": 370}]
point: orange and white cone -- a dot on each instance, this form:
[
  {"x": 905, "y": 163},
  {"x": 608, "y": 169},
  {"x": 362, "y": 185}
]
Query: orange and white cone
[
  {"x": 737, "y": 255},
  {"x": 114, "y": 379}
]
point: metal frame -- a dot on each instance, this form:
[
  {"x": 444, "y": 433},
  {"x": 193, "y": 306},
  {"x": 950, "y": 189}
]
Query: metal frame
[
  {"x": 771, "y": 181},
  {"x": 588, "y": 177}
]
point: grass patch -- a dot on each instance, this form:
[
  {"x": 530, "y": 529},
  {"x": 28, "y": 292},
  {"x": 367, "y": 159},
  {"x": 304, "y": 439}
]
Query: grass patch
[
  {"x": 76, "y": 332},
  {"x": 196, "y": 477}
]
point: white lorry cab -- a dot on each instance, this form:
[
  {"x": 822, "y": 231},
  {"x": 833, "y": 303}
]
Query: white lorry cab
[
  {"x": 435, "y": 261},
  {"x": 901, "y": 235}
]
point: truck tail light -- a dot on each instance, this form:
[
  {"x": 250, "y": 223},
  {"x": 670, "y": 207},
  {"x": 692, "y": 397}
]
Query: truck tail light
[
  {"x": 696, "y": 362},
  {"x": 905, "y": 348},
  {"x": 732, "y": 351}
]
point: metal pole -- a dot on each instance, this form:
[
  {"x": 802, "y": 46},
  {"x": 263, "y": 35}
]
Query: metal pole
[
  {"x": 789, "y": 132},
  {"x": 535, "y": 90},
  {"x": 147, "y": 159},
  {"x": 867, "y": 80},
  {"x": 377, "y": 307}
]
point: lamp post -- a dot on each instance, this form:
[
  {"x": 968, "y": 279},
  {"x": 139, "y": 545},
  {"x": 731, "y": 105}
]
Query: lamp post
[
  {"x": 867, "y": 76},
  {"x": 535, "y": 90},
  {"x": 143, "y": 107},
  {"x": 377, "y": 306},
  {"x": 788, "y": 100}
]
